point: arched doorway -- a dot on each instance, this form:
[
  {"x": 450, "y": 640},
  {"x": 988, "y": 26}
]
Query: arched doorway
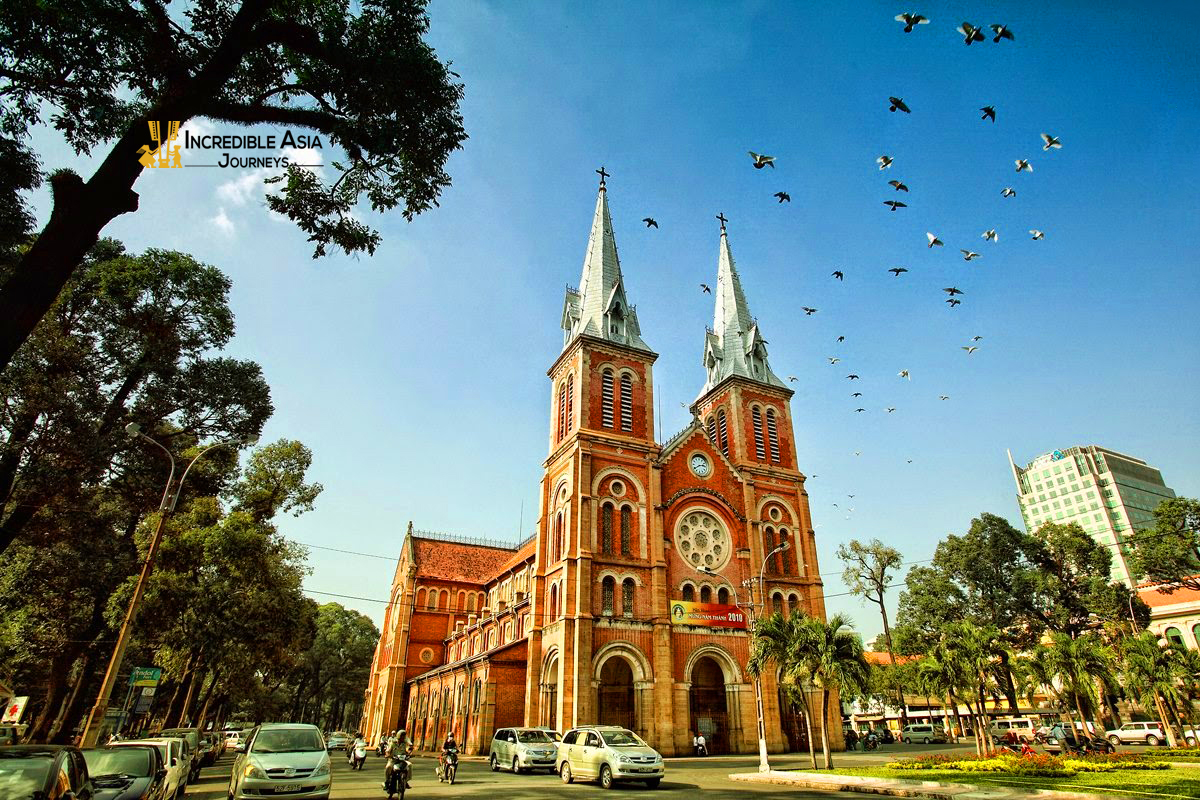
[
  {"x": 549, "y": 710},
  {"x": 615, "y": 694},
  {"x": 709, "y": 713},
  {"x": 791, "y": 721}
]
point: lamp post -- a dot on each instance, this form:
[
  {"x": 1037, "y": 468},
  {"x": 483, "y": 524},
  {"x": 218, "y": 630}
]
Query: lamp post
[
  {"x": 763, "y": 765},
  {"x": 166, "y": 508}
]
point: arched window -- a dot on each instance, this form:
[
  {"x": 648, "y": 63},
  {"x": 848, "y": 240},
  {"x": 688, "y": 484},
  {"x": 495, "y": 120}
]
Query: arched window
[
  {"x": 471, "y": 602},
  {"x": 783, "y": 556},
  {"x": 562, "y": 411},
  {"x": 689, "y": 593},
  {"x": 768, "y": 546},
  {"x": 553, "y": 605},
  {"x": 712, "y": 430},
  {"x": 491, "y": 638},
  {"x": 1174, "y": 636},
  {"x": 433, "y": 601},
  {"x": 777, "y": 603},
  {"x": 571, "y": 404},
  {"x": 607, "y": 588},
  {"x": 626, "y": 530},
  {"x": 626, "y": 403},
  {"x": 705, "y": 594},
  {"x": 756, "y": 417},
  {"x": 721, "y": 432},
  {"x": 606, "y": 529},
  {"x": 606, "y": 398},
  {"x": 1196, "y": 633},
  {"x": 723, "y": 596},
  {"x": 627, "y": 597},
  {"x": 478, "y": 692},
  {"x": 556, "y": 539},
  {"x": 794, "y": 605},
  {"x": 773, "y": 435}
]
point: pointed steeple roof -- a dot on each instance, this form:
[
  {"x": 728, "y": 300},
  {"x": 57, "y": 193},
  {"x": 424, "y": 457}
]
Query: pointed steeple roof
[
  {"x": 735, "y": 345},
  {"x": 599, "y": 307}
]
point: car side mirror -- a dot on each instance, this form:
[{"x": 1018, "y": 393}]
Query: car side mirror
[
  {"x": 174, "y": 762},
  {"x": 239, "y": 748},
  {"x": 162, "y": 773}
]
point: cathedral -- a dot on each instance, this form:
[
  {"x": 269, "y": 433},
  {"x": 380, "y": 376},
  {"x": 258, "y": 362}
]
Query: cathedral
[{"x": 633, "y": 602}]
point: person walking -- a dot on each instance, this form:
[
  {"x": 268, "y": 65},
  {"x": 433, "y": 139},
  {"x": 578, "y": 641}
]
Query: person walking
[{"x": 851, "y": 739}]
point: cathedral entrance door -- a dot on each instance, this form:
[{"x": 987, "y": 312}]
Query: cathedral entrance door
[
  {"x": 791, "y": 720},
  {"x": 709, "y": 712},
  {"x": 615, "y": 694}
]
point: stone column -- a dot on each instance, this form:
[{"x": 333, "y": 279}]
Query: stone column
[
  {"x": 682, "y": 718},
  {"x": 643, "y": 709},
  {"x": 743, "y": 733}
]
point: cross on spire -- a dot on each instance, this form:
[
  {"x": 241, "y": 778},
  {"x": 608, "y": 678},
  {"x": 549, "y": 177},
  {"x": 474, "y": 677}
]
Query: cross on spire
[
  {"x": 721, "y": 217},
  {"x": 602, "y": 175}
]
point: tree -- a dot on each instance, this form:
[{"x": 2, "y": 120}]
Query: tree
[
  {"x": 1149, "y": 670},
  {"x": 778, "y": 640},
  {"x": 1075, "y": 661},
  {"x": 1169, "y": 553},
  {"x": 979, "y": 657},
  {"x": 831, "y": 656},
  {"x": 365, "y": 80},
  {"x": 867, "y": 575}
]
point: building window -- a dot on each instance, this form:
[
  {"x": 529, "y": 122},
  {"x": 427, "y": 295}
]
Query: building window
[
  {"x": 1174, "y": 636},
  {"x": 781, "y": 558},
  {"x": 756, "y": 417},
  {"x": 712, "y": 430},
  {"x": 606, "y": 398},
  {"x": 607, "y": 587},
  {"x": 627, "y": 597},
  {"x": 606, "y": 530},
  {"x": 626, "y": 403},
  {"x": 1196, "y": 634},
  {"x": 626, "y": 530},
  {"x": 794, "y": 605},
  {"x": 768, "y": 546},
  {"x": 570, "y": 403},
  {"x": 721, "y": 432},
  {"x": 553, "y": 605},
  {"x": 705, "y": 594},
  {"x": 556, "y": 539},
  {"x": 689, "y": 593},
  {"x": 478, "y": 693},
  {"x": 701, "y": 539},
  {"x": 773, "y": 435},
  {"x": 723, "y": 596},
  {"x": 777, "y": 603}
]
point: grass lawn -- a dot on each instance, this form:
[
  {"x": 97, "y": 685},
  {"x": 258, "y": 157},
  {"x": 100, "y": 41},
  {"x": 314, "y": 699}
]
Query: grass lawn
[{"x": 1174, "y": 782}]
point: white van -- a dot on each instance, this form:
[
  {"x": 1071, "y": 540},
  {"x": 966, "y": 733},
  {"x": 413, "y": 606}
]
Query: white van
[
  {"x": 923, "y": 733},
  {"x": 1022, "y": 727}
]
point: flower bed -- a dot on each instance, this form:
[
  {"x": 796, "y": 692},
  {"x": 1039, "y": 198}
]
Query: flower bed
[{"x": 1036, "y": 765}]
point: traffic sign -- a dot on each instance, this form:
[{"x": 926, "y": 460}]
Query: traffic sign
[{"x": 145, "y": 676}]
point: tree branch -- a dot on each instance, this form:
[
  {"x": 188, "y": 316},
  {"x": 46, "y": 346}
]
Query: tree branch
[
  {"x": 301, "y": 117},
  {"x": 293, "y": 35}
]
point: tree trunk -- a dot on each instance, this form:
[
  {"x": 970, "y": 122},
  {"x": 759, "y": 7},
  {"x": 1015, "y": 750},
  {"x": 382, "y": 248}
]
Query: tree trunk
[
  {"x": 75, "y": 708},
  {"x": 1008, "y": 685},
  {"x": 1160, "y": 706},
  {"x": 812, "y": 747},
  {"x": 197, "y": 678},
  {"x": 825, "y": 729}
]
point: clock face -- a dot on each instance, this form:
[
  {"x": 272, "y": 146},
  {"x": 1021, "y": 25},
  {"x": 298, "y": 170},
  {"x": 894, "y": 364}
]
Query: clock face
[{"x": 700, "y": 465}]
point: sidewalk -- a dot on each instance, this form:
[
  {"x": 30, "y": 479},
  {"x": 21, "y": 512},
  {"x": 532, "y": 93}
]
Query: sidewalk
[{"x": 900, "y": 788}]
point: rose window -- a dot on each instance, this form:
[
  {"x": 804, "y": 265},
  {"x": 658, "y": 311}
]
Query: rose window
[{"x": 702, "y": 540}]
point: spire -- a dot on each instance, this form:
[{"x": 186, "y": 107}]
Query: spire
[
  {"x": 734, "y": 346},
  {"x": 599, "y": 307}
]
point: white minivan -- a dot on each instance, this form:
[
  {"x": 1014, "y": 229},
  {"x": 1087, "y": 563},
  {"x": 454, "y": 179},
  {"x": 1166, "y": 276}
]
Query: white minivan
[
  {"x": 1022, "y": 727},
  {"x": 923, "y": 733}
]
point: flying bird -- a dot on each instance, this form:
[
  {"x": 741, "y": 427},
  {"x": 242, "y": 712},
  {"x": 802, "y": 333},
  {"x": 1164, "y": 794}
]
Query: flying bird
[
  {"x": 953, "y": 302},
  {"x": 835, "y": 505},
  {"x": 895, "y": 204},
  {"x": 989, "y": 112},
  {"x": 976, "y": 338},
  {"x": 1036, "y": 234},
  {"x": 833, "y": 360},
  {"x": 991, "y": 235},
  {"x": 903, "y": 374},
  {"x": 1001, "y": 31},
  {"x": 1051, "y": 141},
  {"x": 850, "y": 496},
  {"x": 808, "y": 312},
  {"x": 897, "y": 103},
  {"x": 837, "y": 274},
  {"x": 884, "y": 162},
  {"x": 761, "y": 161},
  {"x": 650, "y": 222},
  {"x": 784, "y": 197},
  {"x": 707, "y": 290},
  {"x": 841, "y": 338},
  {"x": 898, "y": 186},
  {"x": 852, "y": 377},
  {"x": 910, "y": 19},
  {"x": 856, "y": 394},
  {"x": 909, "y": 461},
  {"x": 1023, "y": 165},
  {"x": 970, "y": 33},
  {"x": 793, "y": 378},
  {"x": 858, "y": 452},
  {"x": 858, "y": 410},
  {"x": 890, "y": 410},
  {"x": 1008, "y": 191},
  {"x": 970, "y": 350},
  {"x": 933, "y": 240},
  {"x": 897, "y": 270},
  {"x": 969, "y": 254},
  {"x": 941, "y": 397},
  {"x": 952, "y": 290}
]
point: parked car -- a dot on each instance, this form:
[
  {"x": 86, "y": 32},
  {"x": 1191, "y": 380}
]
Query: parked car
[
  {"x": 9, "y": 735},
  {"x": 923, "y": 733},
  {"x": 885, "y": 734},
  {"x": 47, "y": 772},
  {"x": 1023, "y": 728},
  {"x": 1097, "y": 744},
  {"x": 337, "y": 741},
  {"x": 232, "y": 738},
  {"x": 175, "y": 761},
  {"x": 282, "y": 758},
  {"x": 608, "y": 753},
  {"x": 522, "y": 749},
  {"x": 195, "y": 754},
  {"x": 1148, "y": 733},
  {"x": 127, "y": 773}
]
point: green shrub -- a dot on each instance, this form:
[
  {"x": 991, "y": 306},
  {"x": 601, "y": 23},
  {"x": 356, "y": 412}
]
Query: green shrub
[{"x": 1038, "y": 765}]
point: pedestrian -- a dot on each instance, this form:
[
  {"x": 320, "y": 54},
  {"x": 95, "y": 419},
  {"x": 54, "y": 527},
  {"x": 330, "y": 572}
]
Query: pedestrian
[
  {"x": 851, "y": 739},
  {"x": 701, "y": 745}
]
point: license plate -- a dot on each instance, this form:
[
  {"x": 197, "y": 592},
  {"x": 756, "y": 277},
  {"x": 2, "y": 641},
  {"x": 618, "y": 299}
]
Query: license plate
[
  {"x": 288, "y": 787},
  {"x": 646, "y": 769}
]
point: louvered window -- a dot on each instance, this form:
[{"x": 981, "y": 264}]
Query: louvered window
[
  {"x": 773, "y": 435},
  {"x": 606, "y": 530},
  {"x": 606, "y": 399},
  {"x": 712, "y": 431},
  {"x": 608, "y": 588},
  {"x": 769, "y": 545},
  {"x": 756, "y": 417},
  {"x": 562, "y": 411},
  {"x": 626, "y": 403},
  {"x": 721, "y": 432},
  {"x": 570, "y": 404},
  {"x": 626, "y": 530},
  {"x": 782, "y": 556},
  {"x": 627, "y": 597}
]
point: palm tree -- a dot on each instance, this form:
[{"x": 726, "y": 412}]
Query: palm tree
[
  {"x": 1075, "y": 661},
  {"x": 833, "y": 658},
  {"x": 937, "y": 675},
  {"x": 977, "y": 654},
  {"x": 776, "y": 641},
  {"x": 1151, "y": 672},
  {"x": 1035, "y": 672}
]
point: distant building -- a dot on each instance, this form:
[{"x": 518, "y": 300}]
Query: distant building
[
  {"x": 1107, "y": 493},
  {"x": 1174, "y": 616}
]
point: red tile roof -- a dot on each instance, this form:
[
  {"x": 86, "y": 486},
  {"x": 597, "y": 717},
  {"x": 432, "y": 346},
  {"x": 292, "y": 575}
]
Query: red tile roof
[
  {"x": 883, "y": 659},
  {"x": 462, "y": 563},
  {"x": 1155, "y": 597}
]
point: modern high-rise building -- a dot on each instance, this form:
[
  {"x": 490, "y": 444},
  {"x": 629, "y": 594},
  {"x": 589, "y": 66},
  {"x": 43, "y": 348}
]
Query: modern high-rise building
[{"x": 1109, "y": 494}]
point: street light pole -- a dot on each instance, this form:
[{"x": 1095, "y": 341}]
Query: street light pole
[
  {"x": 166, "y": 507},
  {"x": 763, "y": 765}
]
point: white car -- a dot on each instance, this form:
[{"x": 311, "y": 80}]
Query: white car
[
  {"x": 1148, "y": 733},
  {"x": 176, "y": 764},
  {"x": 280, "y": 759}
]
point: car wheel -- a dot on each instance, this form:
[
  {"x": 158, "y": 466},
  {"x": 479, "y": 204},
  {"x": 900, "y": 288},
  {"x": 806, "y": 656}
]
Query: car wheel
[
  {"x": 1191, "y": 741},
  {"x": 1152, "y": 740},
  {"x": 907, "y": 740},
  {"x": 925, "y": 740},
  {"x": 565, "y": 773},
  {"x": 1114, "y": 740},
  {"x": 606, "y": 779},
  {"x": 653, "y": 783},
  {"x": 494, "y": 764},
  {"x": 516, "y": 767}
]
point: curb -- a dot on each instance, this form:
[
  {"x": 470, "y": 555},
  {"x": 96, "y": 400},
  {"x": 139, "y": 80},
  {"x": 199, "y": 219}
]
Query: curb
[{"x": 902, "y": 788}]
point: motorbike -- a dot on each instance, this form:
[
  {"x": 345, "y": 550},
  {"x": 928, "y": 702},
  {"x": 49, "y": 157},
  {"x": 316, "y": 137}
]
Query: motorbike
[
  {"x": 449, "y": 766},
  {"x": 396, "y": 774},
  {"x": 871, "y": 742},
  {"x": 358, "y": 757}
]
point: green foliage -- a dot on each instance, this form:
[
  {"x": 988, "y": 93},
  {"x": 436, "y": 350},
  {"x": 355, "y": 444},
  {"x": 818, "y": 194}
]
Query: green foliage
[
  {"x": 867, "y": 574},
  {"x": 1039, "y": 764},
  {"x": 1167, "y": 554}
]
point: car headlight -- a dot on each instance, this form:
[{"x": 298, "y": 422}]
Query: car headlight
[
  {"x": 253, "y": 771},
  {"x": 623, "y": 759},
  {"x": 322, "y": 769}
]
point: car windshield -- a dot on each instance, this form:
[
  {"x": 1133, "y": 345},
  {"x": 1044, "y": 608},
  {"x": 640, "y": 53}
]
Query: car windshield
[
  {"x": 288, "y": 740},
  {"x": 533, "y": 736},
  {"x": 622, "y": 739},
  {"x": 180, "y": 733},
  {"x": 122, "y": 761},
  {"x": 23, "y": 773}
]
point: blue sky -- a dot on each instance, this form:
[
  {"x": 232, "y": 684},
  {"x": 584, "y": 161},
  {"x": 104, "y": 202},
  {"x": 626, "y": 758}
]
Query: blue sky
[{"x": 418, "y": 376}]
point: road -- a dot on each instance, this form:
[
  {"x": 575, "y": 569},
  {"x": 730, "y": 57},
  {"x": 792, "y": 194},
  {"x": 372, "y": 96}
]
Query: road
[{"x": 685, "y": 777}]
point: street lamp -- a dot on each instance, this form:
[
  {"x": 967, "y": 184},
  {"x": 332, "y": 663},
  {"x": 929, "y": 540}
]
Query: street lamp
[
  {"x": 166, "y": 508},
  {"x": 763, "y": 765}
]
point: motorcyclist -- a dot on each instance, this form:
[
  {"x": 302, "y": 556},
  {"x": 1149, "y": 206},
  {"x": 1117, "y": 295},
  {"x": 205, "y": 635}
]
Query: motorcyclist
[
  {"x": 359, "y": 746},
  {"x": 447, "y": 746},
  {"x": 400, "y": 745}
]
